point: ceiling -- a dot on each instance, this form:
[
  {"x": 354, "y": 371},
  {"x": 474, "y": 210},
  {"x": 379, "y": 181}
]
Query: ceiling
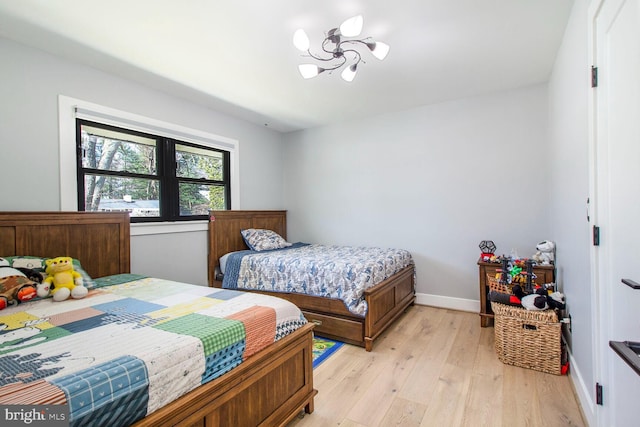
[{"x": 237, "y": 56}]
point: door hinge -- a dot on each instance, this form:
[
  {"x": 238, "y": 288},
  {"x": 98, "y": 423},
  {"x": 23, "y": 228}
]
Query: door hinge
[
  {"x": 596, "y": 235},
  {"x": 588, "y": 218},
  {"x": 594, "y": 76},
  {"x": 598, "y": 394}
]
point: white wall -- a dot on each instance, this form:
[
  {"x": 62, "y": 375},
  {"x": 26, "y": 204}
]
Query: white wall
[
  {"x": 569, "y": 88},
  {"x": 30, "y": 83},
  {"x": 435, "y": 180}
]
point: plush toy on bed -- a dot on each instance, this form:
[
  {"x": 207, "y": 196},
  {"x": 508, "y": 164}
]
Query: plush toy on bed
[
  {"x": 63, "y": 280},
  {"x": 15, "y": 286}
]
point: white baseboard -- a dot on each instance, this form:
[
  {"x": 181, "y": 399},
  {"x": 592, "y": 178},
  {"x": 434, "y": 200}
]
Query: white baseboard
[
  {"x": 585, "y": 394},
  {"x": 448, "y": 302}
]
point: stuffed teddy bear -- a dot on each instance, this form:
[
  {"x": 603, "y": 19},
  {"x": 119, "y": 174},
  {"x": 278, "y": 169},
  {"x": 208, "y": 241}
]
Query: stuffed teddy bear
[
  {"x": 63, "y": 280},
  {"x": 15, "y": 286},
  {"x": 545, "y": 252}
]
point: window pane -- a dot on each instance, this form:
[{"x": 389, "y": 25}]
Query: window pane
[
  {"x": 196, "y": 162},
  {"x": 138, "y": 196},
  {"x": 117, "y": 151},
  {"x": 197, "y": 199}
]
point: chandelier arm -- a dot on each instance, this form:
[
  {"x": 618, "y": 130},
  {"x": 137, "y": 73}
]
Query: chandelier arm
[
  {"x": 357, "y": 54},
  {"x": 344, "y": 60},
  {"x": 363, "y": 41},
  {"x": 324, "y": 46},
  {"x": 318, "y": 58}
]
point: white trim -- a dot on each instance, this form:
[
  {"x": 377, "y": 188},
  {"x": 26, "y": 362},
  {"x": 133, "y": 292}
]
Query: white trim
[
  {"x": 142, "y": 124},
  {"x": 70, "y": 108},
  {"x": 584, "y": 393},
  {"x": 148, "y": 228},
  {"x": 599, "y": 295},
  {"x": 67, "y": 152},
  {"x": 448, "y": 302}
]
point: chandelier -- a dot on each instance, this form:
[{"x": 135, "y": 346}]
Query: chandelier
[{"x": 339, "y": 49}]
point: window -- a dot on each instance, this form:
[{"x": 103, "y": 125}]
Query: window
[{"x": 154, "y": 177}]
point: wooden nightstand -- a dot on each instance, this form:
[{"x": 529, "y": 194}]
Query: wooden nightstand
[{"x": 544, "y": 273}]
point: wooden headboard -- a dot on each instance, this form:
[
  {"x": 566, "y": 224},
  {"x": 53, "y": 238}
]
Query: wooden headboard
[
  {"x": 224, "y": 231},
  {"x": 99, "y": 240}
]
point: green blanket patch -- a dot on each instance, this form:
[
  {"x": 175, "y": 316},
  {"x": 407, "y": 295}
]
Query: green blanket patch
[
  {"x": 117, "y": 279},
  {"x": 215, "y": 333}
]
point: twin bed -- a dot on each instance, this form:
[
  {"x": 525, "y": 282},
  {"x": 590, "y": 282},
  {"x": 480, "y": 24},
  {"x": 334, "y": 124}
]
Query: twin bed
[
  {"x": 374, "y": 293},
  {"x": 102, "y": 355}
]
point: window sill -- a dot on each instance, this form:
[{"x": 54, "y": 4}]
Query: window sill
[{"x": 144, "y": 229}]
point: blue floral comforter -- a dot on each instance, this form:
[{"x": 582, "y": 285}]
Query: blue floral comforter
[{"x": 342, "y": 272}]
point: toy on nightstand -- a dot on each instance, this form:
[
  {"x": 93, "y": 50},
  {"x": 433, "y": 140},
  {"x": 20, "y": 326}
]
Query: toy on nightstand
[
  {"x": 488, "y": 249},
  {"x": 546, "y": 253},
  {"x": 540, "y": 299}
]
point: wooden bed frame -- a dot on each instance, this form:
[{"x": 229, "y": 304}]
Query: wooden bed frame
[
  {"x": 386, "y": 301},
  {"x": 269, "y": 389}
]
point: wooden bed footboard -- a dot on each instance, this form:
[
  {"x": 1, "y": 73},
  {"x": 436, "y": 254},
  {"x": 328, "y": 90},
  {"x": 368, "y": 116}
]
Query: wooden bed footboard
[
  {"x": 386, "y": 301},
  {"x": 269, "y": 389}
]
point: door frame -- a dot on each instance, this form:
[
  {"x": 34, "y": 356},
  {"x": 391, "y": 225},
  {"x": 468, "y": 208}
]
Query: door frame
[{"x": 599, "y": 307}]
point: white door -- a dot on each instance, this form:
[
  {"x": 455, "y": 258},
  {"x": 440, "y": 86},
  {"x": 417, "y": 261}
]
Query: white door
[{"x": 617, "y": 203}]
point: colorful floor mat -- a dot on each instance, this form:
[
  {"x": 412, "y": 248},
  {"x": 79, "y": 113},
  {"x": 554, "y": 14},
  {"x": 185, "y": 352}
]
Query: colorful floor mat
[{"x": 323, "y": 348}]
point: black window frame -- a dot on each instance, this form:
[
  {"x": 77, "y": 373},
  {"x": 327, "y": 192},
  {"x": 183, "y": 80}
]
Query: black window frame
[{"x": 169, "y": 203}]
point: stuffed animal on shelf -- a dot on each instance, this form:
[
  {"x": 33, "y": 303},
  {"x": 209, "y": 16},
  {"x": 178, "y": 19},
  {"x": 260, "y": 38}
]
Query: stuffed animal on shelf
[
  {"x": 15, "y": 286},
  {"x": 63, "y": 280},
  {"x": 545, "y": 254},
  {"x": 541, "y": 299}
]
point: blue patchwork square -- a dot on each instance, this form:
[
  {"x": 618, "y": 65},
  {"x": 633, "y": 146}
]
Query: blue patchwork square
[
  {"x": 103, "y": 385},
  {"x": 129, "y": 305},
  {"x": 225, "y": 295}
]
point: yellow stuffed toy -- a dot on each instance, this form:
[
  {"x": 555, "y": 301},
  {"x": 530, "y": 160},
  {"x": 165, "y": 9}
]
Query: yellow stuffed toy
[{"x": 65, "y": 281}]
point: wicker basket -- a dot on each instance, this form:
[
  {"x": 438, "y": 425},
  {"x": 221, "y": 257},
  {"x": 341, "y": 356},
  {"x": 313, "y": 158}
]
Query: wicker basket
[{"x": 528, "y": 339}]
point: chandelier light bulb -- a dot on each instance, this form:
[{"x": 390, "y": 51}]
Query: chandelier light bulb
[
  {"x": 300, "y": 40},
  {"x": 352, "y": 26},
  {"x": 349, "y": 73},
  {"x": 309, "y": 70},
  {"x": 380, "y": 50}
]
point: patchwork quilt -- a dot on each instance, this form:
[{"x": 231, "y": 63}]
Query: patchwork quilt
[
  {"x": 133, "y": 345},
  {"x": 342, "y": 272}
]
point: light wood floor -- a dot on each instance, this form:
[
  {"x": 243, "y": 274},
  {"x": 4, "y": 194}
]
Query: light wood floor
[{"x": 436, "y": 367}]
